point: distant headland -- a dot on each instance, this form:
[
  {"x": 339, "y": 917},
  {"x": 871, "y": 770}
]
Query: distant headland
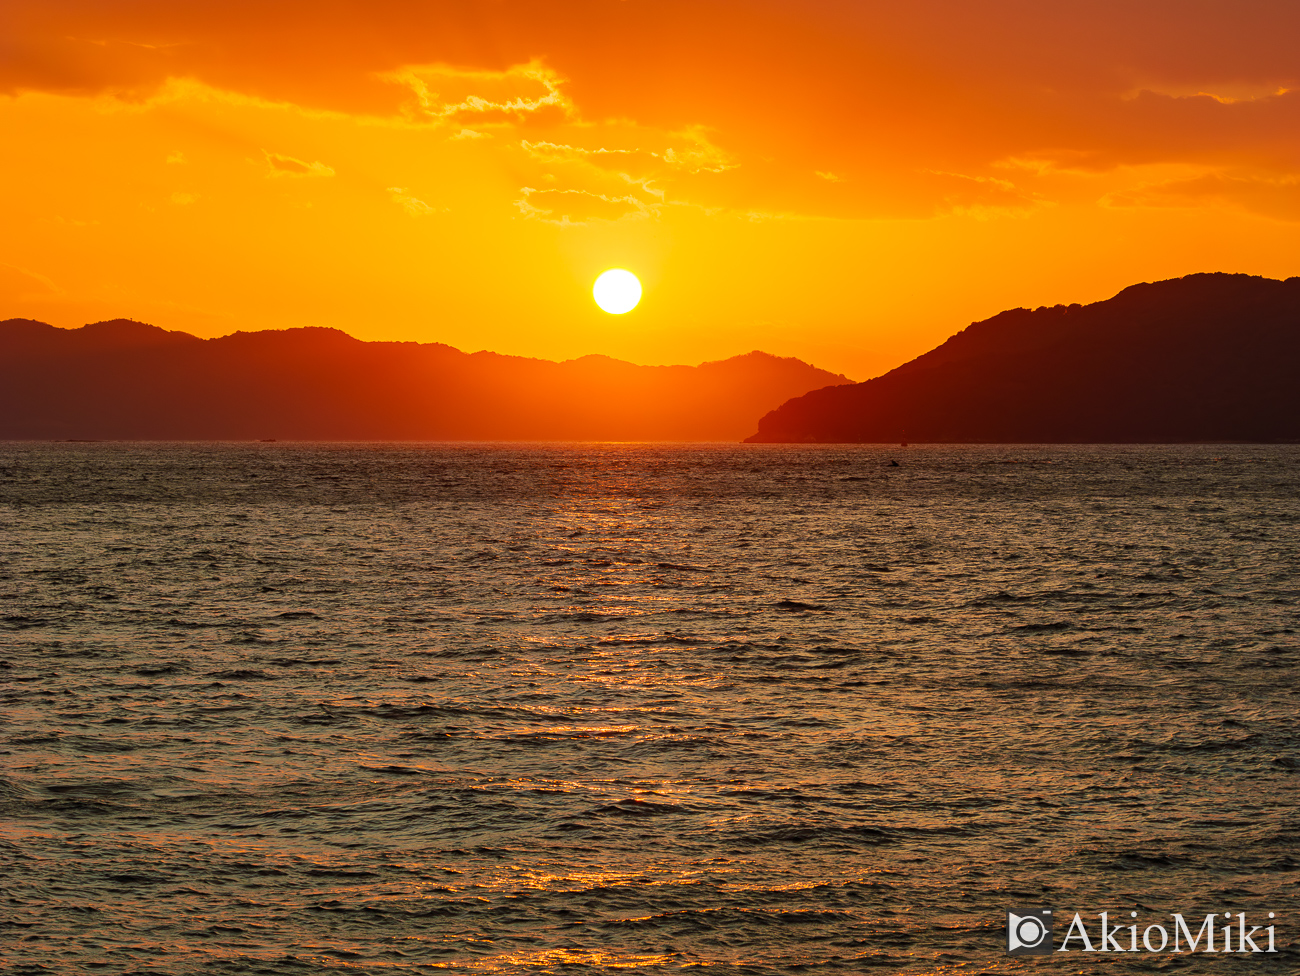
[
  {"x": 124, "y": 380},
  {"x": 1203, "y": 358}
]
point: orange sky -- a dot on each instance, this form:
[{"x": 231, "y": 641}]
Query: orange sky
[{"x": 846, "y": 182}]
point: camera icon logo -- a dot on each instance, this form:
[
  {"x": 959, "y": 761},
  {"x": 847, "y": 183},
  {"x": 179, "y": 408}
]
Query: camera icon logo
[{"x": 1029, "y": 933}]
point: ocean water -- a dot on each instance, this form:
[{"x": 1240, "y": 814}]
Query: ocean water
[{"x": 281, "y": 708}]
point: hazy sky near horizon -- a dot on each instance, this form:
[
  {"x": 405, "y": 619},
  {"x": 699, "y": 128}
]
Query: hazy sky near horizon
[{"x": 846, "y": 181}]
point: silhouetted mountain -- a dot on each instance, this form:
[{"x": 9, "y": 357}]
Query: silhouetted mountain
[
  {"x": 1208, "y": 357},
  {"x": 127, "y": 380}
]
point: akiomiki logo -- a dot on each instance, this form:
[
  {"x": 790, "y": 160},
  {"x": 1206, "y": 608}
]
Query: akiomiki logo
[{"x": 1029, "y": 932}]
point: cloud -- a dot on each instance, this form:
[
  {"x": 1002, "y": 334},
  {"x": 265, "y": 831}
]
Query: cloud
[
  {"x": 613, "y": 182},
  {"x": 697, "y": 154},
  {"x": 443, "y": 94},
  {"x": 978, "y": 196},
  {"x": 177, "y": 158},
  {"x": 414, "y": 206},
  {"x": 1276, "y": 197},
  {"x": 20, "y": 284},
  {"x": 184, "y": 199},
  {"x": 288, "y": 166},
  {"x": 644, "y": 186},
  {"x": 881, "y": 90},
  {"x": 74, "y": 222},
  {"x": 579, "y": 208},
  {"x": 553, "y": 152}
]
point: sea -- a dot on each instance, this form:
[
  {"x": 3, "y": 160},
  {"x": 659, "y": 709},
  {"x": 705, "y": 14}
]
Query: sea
[{"x": 280, "y": 708}]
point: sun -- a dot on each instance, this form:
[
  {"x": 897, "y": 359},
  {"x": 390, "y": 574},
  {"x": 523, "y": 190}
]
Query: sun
[{"x": 617, "y": 291}]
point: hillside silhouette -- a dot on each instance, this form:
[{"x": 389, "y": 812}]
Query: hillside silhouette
[
  {"x": 1207, "y": 357},
  {"x": 126, "y": 380}
]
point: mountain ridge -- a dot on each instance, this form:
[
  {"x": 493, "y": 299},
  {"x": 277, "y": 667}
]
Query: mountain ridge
[
  {"x": 122, "y": 379},
  {"x": 1205, "y": 357}
]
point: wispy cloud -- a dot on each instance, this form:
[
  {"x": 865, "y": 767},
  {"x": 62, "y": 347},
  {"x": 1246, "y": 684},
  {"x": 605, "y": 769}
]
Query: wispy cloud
[
  {"x": 577, "y": 207},
  {"x": 555, "y": 152},
  {"x": 695, "y": 153},
  {"x": 281, "y": 165},
  {"x": 446, "y": 94},
  {"x": 22, "y": 280},
  {"x": 977, "y": 196},
  {"x": 74, "y": 222},
  {"x": 413, "y": 205},
  {"x": 1275, "y": 197}
]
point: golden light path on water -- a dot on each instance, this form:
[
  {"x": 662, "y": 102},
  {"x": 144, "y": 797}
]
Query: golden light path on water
[{"x": 514, "y": 709}]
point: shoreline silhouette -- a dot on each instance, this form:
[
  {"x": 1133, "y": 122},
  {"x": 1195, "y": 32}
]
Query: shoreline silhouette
[{"x": 1207, "y": 358}]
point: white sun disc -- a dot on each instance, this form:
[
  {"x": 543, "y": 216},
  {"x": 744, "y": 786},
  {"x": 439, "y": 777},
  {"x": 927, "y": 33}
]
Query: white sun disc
[{"x": 617, "y": 291}]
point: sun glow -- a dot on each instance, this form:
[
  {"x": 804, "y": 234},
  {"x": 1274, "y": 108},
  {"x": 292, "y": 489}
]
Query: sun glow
[{"x": 617, "y": 291}]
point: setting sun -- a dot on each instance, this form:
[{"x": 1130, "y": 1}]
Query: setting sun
[{"x": 617, "y": 291}]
